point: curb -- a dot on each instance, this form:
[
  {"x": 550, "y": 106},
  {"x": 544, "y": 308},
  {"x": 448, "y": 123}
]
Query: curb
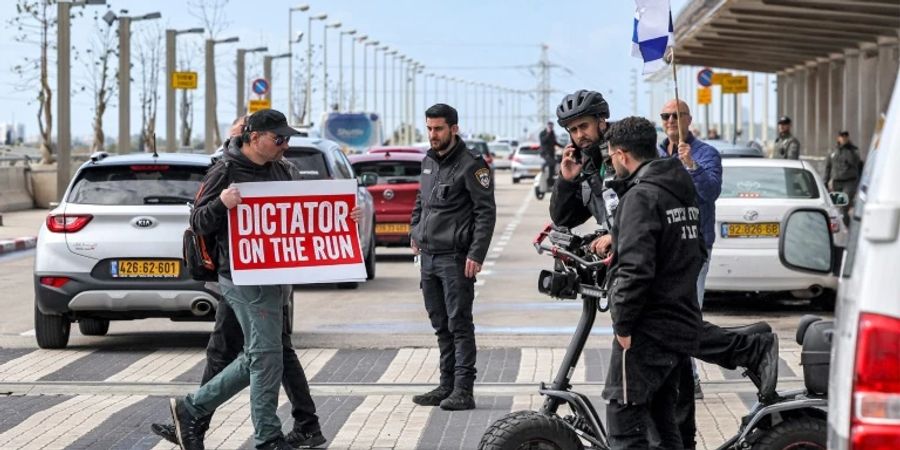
[{"x": 13, "y": 245}]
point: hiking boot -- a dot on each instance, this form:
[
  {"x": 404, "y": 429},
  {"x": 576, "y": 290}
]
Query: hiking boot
[
  {"x": 461, "y": 399},
  {"x": 434, "y": 397},
  {"x": 276, "y": 444},
  {"x": 766, "y": 368},
  {"x": 305, "y": 439},
  {"x": 165, "y": 431},
  {"x": 188, "y": 428},
  {"x": 698, "y": 393}
]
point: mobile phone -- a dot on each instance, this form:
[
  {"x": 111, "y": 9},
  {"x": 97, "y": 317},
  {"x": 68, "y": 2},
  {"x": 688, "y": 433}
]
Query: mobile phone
[{"x": 577, "y": 153}]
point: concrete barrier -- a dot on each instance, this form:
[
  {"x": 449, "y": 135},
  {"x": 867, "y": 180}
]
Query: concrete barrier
[{"x": 15, "y": 189}]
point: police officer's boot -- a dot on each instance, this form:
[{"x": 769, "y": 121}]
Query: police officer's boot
[
  {"x": 461, "y": 399},
  {"x": 766, "y": 367},
  {"x": 433, "y": 397}
]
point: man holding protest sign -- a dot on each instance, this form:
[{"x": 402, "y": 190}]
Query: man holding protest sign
[
  {"x": 258, "y": 308},
  {"x": 452, "y": 225}
]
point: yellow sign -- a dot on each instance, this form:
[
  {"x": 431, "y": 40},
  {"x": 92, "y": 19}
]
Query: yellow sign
[
  {"x": 256, "y": 105},
  {"x": 704, "y": 96},
  {"x": 717, "y": 77},
  {"x": 735, "y": 85},
  {"x": 184, "y": 80}
]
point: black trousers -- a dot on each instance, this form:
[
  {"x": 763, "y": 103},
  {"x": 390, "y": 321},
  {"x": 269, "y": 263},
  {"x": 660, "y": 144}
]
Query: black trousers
[
  {"x": 723, "y": 348},
  {"x": 642, "y": 387},
  {"x": 227, "y": 341},
  {"x": 448, "y": 299}
]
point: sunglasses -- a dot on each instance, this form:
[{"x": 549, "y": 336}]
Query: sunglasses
[
  {"x": 665, "y": 116},
  {"x": 279, "y": 140}
]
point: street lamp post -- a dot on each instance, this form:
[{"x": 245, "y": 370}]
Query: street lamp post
[
  {"x": 124, "y": 143},
  {"x": 375, "y": 75},
  {"x": 241, "y": 81},
  {"x": 308, "y": 99},
  {"x": 341, "y": 66},
  {"x": 210, "y": 93},
  {"x": 171, "y": 61},
  {"x": 384, "y": 89},
  {"x": 365, "y": 73},
  {"x": 325, "y": 63},
  {"x": 267, "y": 71},
  {"x": 291, "y": 41},
  {"x": 362, "y": 39},
  {"x": 63, "y": 92}
]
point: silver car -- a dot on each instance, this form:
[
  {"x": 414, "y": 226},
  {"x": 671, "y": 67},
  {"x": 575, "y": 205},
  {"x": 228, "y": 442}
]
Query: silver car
[
  {"x": 502, "y": 154},
  {"x": 526, "y": 162}
]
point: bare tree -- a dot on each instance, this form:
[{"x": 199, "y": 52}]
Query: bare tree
[
  {"x": 149, "y": 54},
  {"x": 212, "y": 14},
  {"x": 100, "y": 76},
  {"x": 35, "y": 23}
]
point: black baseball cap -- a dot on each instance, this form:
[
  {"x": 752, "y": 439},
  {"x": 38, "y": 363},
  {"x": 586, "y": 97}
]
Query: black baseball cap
[
  {"x": 844, "y": 133},
  {"x": 784, "y": 120},
  {"x": 270, "y": 120}
]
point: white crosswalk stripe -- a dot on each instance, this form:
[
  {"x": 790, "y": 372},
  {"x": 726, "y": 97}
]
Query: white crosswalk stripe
[
  {"x": 413, "y": 365},
  {"x": 383, "y": 421},
  {"x": 160, "y": 366},
  {"x": 38, "y": 364},
  {"x": 541, "y": 364}
]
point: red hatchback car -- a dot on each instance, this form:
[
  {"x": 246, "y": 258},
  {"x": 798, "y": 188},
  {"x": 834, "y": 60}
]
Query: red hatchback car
[{"x": 394, "y": 194}]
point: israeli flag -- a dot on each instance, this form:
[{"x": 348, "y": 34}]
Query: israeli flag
[{"x": 653, "y": 33}]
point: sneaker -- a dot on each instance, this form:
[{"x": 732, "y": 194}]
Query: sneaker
[
  {"x": 461, "y": 399},
  {"x": 300, "y": 439},
  {"x": 434, "y": 397},
  {"x": 188, "y": 429},
  {"x": 165, "y": 431},
  {"x": 766, "y": 368},
  {"x": 698, "y": 393},
  {"x": 276, "y": 444}
]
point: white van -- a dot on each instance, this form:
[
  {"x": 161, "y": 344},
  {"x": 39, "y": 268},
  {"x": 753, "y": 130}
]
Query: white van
[{"x": 864, "y": 379}]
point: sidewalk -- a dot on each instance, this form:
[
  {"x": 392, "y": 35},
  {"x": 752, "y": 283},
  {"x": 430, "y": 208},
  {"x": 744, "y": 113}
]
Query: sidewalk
[{"x": 20, "y": 228}]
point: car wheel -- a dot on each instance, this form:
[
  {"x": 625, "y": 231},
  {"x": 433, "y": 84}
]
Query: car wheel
[
  {"x": 350, "y": 285},
  {"x": 93, "y": 327},
  {"x": 51, "y": 331},
  {"x": 370, "y": 260},
  {"x": 515, "y": 180}
]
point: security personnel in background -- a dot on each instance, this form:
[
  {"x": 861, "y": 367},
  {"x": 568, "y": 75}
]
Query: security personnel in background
[
  {"x": 844, "y": 167},
  {"x": 786, "y": 145},
  {"x": 548, "y": 141},
  {"x": 452, "y": 224}
]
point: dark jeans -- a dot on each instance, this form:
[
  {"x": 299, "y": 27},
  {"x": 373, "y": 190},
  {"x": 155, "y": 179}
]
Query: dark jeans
[
  {"x": 651, "y": 380},
  {"x": 226, "y": 342},
  {"x": 448, "y": 299},
  {"x": 723, "y": 348}
]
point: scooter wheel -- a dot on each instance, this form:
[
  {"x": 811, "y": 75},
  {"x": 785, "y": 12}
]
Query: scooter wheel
[
  {"x": 807, "y": 433},
  {"x": 529, "y": 430},
  {"x": 538, "y": 194}
]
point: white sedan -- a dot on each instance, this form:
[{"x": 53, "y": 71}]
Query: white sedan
[{"x": 756, "y": 195}]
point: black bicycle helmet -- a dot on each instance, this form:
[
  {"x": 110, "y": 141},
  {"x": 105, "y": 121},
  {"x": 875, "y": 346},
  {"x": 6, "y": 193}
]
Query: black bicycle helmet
[{"x": 581, "y": 103}]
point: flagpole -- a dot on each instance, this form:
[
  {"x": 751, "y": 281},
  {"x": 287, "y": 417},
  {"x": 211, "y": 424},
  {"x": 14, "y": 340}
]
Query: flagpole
[{"x": 677, "y": 100}]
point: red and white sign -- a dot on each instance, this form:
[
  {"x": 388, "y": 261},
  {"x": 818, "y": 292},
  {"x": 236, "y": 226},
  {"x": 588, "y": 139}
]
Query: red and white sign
[{"x": 295, "y": 232}]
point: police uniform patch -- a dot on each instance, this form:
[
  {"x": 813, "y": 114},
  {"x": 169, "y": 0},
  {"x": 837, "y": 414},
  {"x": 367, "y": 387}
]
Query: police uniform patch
[{"x": 483, "y": 176}]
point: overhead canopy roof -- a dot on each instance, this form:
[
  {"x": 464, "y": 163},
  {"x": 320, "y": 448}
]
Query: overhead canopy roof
[{"x": 774, "y": 35}]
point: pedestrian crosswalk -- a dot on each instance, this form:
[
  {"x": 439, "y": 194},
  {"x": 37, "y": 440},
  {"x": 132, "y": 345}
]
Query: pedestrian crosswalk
[{"x": 363, "y": 397}]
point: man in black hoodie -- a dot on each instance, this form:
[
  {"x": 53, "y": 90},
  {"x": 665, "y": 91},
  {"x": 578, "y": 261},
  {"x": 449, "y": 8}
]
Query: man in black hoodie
[
  {"x": 452, "y": 224},
  {"x": 656, "y": 260}
]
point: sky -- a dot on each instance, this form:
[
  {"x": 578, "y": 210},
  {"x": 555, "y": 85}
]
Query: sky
[{"x": 488, "y": 41}]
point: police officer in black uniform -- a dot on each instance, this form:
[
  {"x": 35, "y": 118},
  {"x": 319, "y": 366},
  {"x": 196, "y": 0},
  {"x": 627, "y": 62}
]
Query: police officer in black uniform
[
  {"x": 452, "y": 224},
  {"x": 581, "y": 193}
]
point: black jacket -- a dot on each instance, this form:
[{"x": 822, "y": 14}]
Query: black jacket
[
  {"x": 548, "y": 144},
  {"x": 657, "y": 255},
  {"x": 455, "y": 210},
  {"x": 844, "y": 164},
  {"x": 574, "y": 202},
  {"x": 209, "y": 215}
]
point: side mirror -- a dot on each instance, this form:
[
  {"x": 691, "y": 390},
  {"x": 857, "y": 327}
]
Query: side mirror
[
  {"x": 368, "y": 179},
  {"x": 806, "y": 243},
  {"x": 839, "y": 198}
]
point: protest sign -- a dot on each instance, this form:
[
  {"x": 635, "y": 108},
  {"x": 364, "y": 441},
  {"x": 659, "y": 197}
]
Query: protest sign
[{"x": 295, "y": 232}]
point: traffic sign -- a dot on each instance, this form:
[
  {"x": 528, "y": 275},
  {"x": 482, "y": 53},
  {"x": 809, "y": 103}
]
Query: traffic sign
[
  {"x": 260, "y": 86},
  {"x": 704, "y": 77},
  {"x": 735, "y": 85},
  {"x": 184, "y": 80},
  {"x": 704, "y": 96},
  {"x": 257, "y": 105},
  {"x": 718, "y": 76}
]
